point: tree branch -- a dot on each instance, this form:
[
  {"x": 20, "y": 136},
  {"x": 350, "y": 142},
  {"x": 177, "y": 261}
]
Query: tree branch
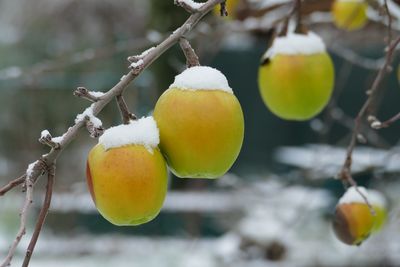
[
  {"x": 86, "y": 94},
  {"x": 22, "y": 228},
  {"x": 12, "y": 184},
  {"x": 42, "y": 215},
  {"x": 345, "y": 173}
]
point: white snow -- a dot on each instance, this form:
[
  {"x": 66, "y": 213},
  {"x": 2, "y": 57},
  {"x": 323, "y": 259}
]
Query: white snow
[
  {"x": 58, "y": 139},
  {"x": 192, "y": 4},
  {"x": 96, "y": 94},
  {"x": 377, "y": 198},
  {"x": 137, "y": 63},
  {"x": 352, "y": 196},
  {"x": 146, "y": 52},
  {"x": 30, "y": 168},
  {"x": 88, "y": 113},
  {"x": 140, "y": 132},
  {"x": 294, "y": 44},
  {"x": 44, "y": 133},
  {"x": 201, "y": 78}
]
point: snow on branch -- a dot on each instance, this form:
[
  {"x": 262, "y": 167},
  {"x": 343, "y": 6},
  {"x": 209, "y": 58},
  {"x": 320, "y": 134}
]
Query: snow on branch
[
  {"x": 88, "y": 118},
  {"x": 189, "y": 5}
]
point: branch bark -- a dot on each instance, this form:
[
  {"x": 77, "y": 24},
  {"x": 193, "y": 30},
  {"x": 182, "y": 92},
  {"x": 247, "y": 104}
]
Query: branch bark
[
  {"x": 18, "y": 181},
  {"x": 22, "y": 228},
  {"x": 191, "y": 58},
  {"x": 42, "y": 215},
  {"x": 345, "y": 173}
]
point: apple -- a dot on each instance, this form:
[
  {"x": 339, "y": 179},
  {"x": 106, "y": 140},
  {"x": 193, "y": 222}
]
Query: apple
[
  {"x": 126, "y": 176},
  {"x": 353, "y": 223},
  {"x": 296, "y": 77},
  {"x": 349, "y": 14},
  {"x": 201, "y": 124},
  {"x": 354, "y": 220}
]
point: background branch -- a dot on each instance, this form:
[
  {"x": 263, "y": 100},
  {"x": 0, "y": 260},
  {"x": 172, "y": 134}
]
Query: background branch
[{"x": 345, "y": 173}]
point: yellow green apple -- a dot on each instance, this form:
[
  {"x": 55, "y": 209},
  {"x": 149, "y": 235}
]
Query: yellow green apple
[
  {"x": 296, "y": 86},
  {"x": 353, "y": 223},
  {"x": 349, "y": 14},
  {"x": 128, "y": 184},
  {"x": 201, "y": 125}
]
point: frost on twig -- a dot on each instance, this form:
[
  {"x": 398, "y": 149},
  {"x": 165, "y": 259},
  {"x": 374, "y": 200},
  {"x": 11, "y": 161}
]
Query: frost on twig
[
  {"x": 136, "y": 58},
  {"x": 47, "y": 139},
  {"x": 23, "y": 214},
  {"x": 89, "y": 95},
  {"x": 93, "y": 124},
  {"x": 376, "y": 124},
  {"x": 189, "y": 5}
]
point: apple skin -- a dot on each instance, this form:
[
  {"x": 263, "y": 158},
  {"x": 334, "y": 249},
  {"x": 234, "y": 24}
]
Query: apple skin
[
  {"x": 349, "y": 15},
  {"x": 201, "y": 131},
  {"x": 128, "y": 184},
  {"x": 296, "y": 87},
  {"x": 379, "y": 218},
  {"x": 353, "y": 223}
]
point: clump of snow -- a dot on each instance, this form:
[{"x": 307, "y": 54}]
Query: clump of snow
[
  {"x": 201, "y": 78},
  {"x": 294, "y": 44},
  {"x": 137, "y": 64},
  {"x": 29, "y": 170},
  {"x": 377, "y": 198},
  {"x": 44, "y": 133},
  {"x": 139, "y": 132},
  {"x": 353, "y": 196},
  {"x": 192, "y": 4},
  {"x": 58, "y": 139},
  {"x": 96, "y": 94},
  {"x": 88, "y": 113}
]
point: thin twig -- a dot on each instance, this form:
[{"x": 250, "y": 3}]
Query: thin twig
[
  {"x": 47, "y": 139},
  {"x": 42, "y": 215},
  {"x": 191, "y": 58},
  {"x": 389, "y": 28},
  {"x": 126, "y": 115},
  {"x": 300, "y": 28},
  {"x": 345, "y": 173},
  {"x": 86, "y": 94},
  {"x": 12, "y": 184},
  {"x": 376, "y": 124},
  {"x": 22, "y": 228}
]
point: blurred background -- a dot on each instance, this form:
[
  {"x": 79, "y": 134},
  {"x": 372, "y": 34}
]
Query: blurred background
[{"x": 275, "y": 206}]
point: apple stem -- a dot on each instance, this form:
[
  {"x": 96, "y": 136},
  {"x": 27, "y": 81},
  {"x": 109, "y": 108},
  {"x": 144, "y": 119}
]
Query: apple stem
[
  {"x": 191, "y": 58},
  {"x": 126, "y": 115}
]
